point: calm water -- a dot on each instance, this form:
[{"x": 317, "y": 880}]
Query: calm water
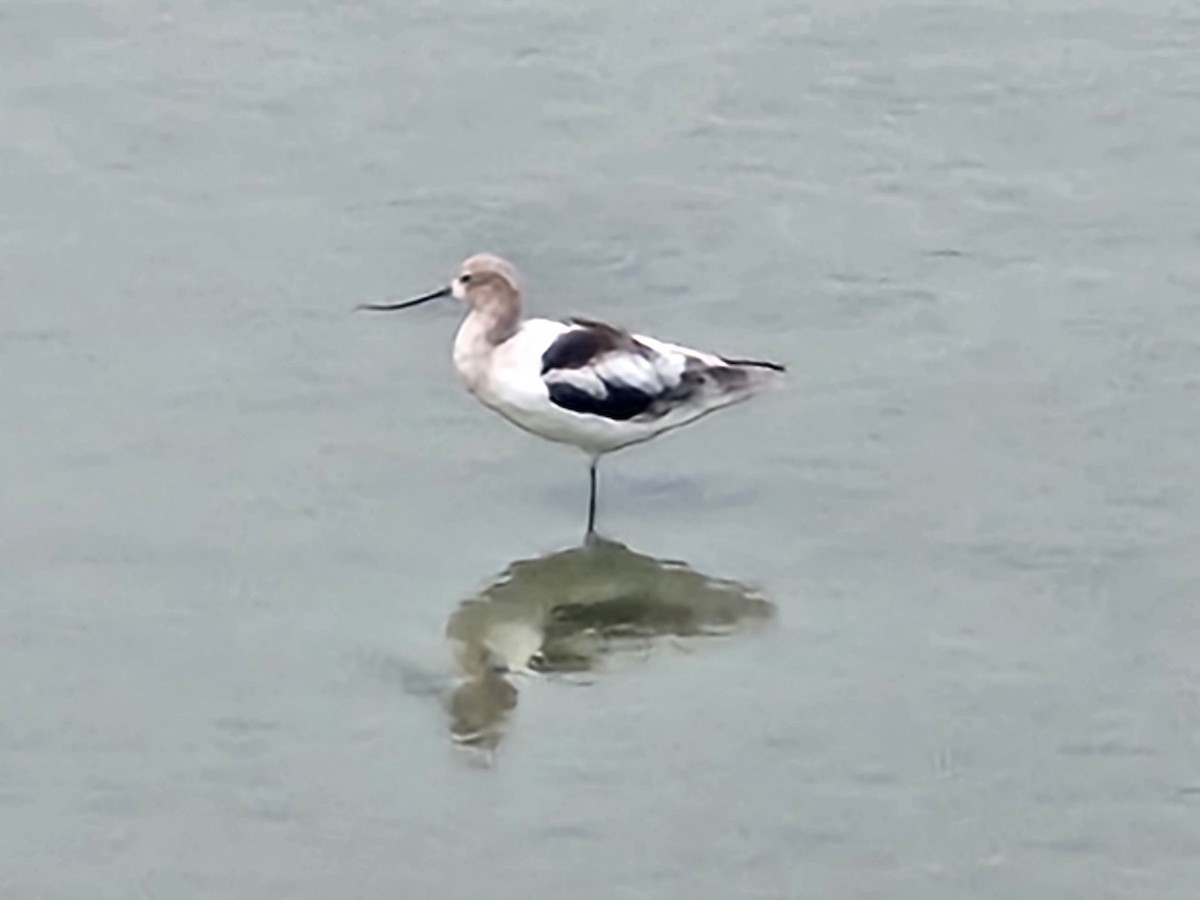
[{"x": 930, "y": 627}]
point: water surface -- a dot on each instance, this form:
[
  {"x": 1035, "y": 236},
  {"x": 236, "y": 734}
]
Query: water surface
[{"x": 237, "y": 521}]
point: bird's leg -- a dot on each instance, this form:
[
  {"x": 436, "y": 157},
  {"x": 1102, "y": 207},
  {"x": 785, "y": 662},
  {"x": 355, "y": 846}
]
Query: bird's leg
[{"x": 591, "y": 526}]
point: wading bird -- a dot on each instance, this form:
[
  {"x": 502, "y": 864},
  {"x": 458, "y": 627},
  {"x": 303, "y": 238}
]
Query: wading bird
[{"x": 577, "y": 381}]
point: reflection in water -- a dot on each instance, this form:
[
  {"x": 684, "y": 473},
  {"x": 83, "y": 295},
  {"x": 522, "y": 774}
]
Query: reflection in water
[{"x": 567, "y": 611}]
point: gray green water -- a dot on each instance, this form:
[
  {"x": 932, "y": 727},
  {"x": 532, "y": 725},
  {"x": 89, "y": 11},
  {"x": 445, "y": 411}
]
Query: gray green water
[{"x": 934, "y": 628}]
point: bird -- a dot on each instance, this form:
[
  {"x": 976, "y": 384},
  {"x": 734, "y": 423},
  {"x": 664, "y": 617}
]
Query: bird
[{"x": 578, "y": 381}]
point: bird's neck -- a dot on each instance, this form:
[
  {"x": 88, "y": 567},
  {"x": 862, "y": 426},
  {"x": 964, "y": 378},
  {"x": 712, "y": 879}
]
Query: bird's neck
[{"x": 483, "y": 330}]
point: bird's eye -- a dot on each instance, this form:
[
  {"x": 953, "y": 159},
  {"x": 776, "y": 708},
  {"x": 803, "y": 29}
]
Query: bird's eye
[{"x": 465, "y": 279}]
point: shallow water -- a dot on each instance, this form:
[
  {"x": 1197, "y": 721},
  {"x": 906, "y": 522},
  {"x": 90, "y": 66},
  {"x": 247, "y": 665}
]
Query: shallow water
[{"x": 238, "y": 521}]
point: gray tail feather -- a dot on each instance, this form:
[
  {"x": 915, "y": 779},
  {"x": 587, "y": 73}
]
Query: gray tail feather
[
  {"x": 742, "y": 377},
  {"x": 755, "y": 364},
  {"x": 710, "y": 387}
]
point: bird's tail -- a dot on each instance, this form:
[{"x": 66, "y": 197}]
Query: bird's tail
[
  {"x": 710, "y": 383},
  {"x": 749, "y": 375},
  {"x": 739, "y": 379},
  {"x": 755, "y": 364}
]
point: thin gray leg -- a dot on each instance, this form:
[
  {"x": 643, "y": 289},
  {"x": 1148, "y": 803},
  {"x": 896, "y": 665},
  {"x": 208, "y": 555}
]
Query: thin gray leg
[{"x": 591, "y": 529}]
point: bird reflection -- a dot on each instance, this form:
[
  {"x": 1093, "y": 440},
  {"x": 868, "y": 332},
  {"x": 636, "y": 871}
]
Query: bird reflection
[{"x": 566, "y": 612}]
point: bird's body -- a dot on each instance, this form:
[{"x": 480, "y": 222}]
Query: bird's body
[
  {"x": 580, "y": 382},
  {"x": 593, "y": 386}
]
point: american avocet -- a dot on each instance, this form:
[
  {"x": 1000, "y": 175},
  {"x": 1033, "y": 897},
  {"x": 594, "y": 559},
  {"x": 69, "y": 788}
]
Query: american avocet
[{"x": 577, "y": 381}]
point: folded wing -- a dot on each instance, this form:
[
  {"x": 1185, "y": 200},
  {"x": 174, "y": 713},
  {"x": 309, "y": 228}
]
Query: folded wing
[{"x": 600, "y": 370}]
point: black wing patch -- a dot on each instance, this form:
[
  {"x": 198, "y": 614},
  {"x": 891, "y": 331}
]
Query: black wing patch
[
  {"x": 580, "y": 346},
  {"x": 603, "y": 371},
  {"x": 620, "y": 402}
]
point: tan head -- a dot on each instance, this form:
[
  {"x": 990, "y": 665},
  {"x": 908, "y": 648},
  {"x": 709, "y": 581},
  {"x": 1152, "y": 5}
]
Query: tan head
[
  {"x": 489, "y": 286},
  {"x": 484, "y": 280}
]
